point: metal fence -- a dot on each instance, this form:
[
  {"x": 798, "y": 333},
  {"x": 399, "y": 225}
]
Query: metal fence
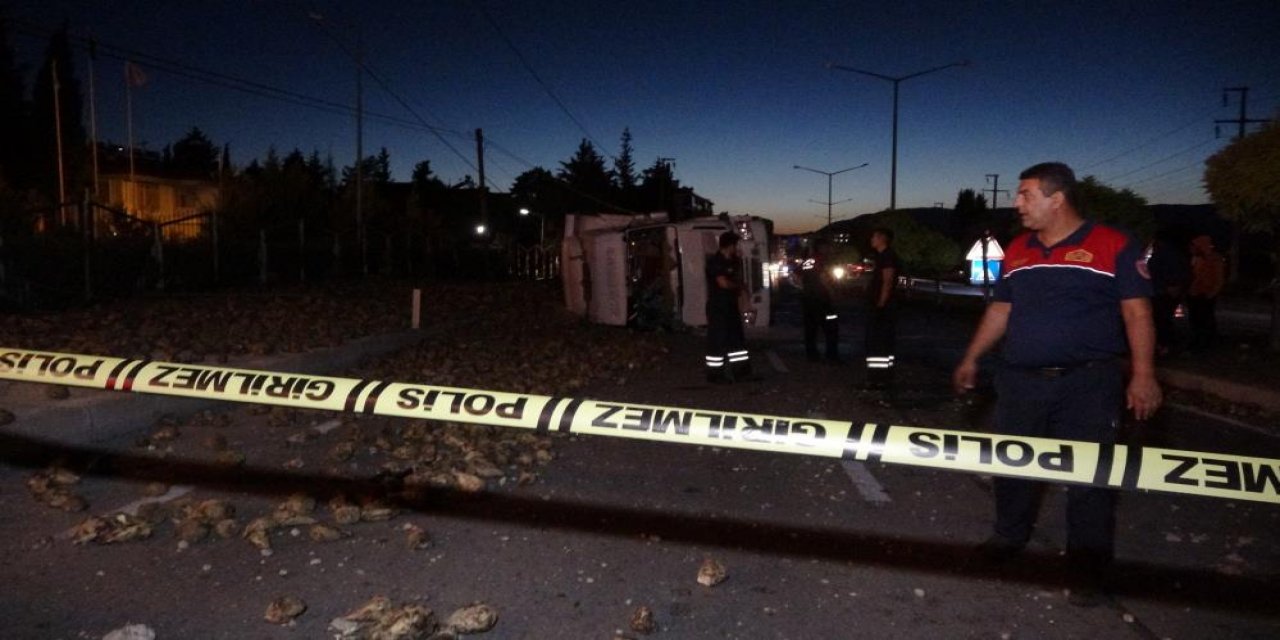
[{"x": 88, "y": 251}]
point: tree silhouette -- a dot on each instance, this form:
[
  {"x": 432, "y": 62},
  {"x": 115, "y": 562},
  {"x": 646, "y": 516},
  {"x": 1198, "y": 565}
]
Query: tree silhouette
[
  {"x": 1119, "y": 207},
  {"x": 970, "y": 217},
  {"x": 658, "y": 188},
  {"x": 1242, "y": 181},
  {"x": 624, "y": 171},
  {"x": 590, "y": 182},
  {"x": 194, "y": 155}
]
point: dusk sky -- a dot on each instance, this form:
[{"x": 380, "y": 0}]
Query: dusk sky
[{"x": 736, "y": 92}]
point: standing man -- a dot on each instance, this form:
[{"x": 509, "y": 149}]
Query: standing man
[
  {"x": 1071, "y": 304},
  {"x": 882, "y": 310},
  {"x": 815, "y": 301},
  {"x": 1170, "y": 269},
  {"x": 727, "y": 357},
  {"x": 1208, "y": 274}
]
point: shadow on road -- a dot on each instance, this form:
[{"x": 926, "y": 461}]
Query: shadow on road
[{"x": 1201, "y": 587}]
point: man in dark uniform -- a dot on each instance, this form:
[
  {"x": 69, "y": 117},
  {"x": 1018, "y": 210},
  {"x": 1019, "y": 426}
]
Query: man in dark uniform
[
  {"x": 882, "y": 312},
  {"x": 727, "y": 356},
  {"x": 815, "y": 301},
  {"x": 1170, "y": 267},
  {"x": 1072, "y": 303}
]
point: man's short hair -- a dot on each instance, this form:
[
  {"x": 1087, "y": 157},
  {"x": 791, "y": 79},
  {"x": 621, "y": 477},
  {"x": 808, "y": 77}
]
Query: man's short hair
[
  {"x": 728, "y": 239},
  {"x": 884, "y": 231},
  {"x": 1055, "y": 177}
]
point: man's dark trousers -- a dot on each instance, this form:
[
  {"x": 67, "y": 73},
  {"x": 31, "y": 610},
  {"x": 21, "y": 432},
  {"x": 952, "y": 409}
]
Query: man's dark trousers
[{"x": 1075, "y": 403}]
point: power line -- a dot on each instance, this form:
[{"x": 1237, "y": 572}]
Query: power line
[
  {"x": 215, "y": 78},
  {"x": 260, "y": 89},
  {"x": 1197, "y": 119},
  {"x": 1176, "y": 186},
  {"x": 533, "y": 72},
  {"x": 1162, "y": 160},
  {"x": 364, "y": 67},
  {"x": 1161, "y": 175}
]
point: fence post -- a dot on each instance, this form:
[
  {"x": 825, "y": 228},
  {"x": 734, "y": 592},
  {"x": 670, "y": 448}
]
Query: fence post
[
  {"x": 86, "y": 245},
  {"x": 387, "y": 254},
  {"x": 213, "y": 222},
  {"x": 262, "y": 256},
  {"x": 158, "y": 252},
  {"x": 302, "y": 250}
]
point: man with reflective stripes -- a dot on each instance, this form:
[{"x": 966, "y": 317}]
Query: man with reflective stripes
[
  {"x": 727, "y": 356},
  {"x": 815, "y": 302},
  {"x": 882, "y": 310},
  {"x": 1072, "y": 303}
]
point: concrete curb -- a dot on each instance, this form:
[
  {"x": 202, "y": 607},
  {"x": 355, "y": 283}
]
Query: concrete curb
[
  {"x": 1267, "y": 399},
  {"x": 93, "y": 416}
]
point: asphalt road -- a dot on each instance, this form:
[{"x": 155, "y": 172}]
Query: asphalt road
[{"x": 813, "y": 548}]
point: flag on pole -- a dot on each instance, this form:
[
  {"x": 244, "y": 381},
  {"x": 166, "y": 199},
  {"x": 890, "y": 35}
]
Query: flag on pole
[{"x": 134, "y": 75}]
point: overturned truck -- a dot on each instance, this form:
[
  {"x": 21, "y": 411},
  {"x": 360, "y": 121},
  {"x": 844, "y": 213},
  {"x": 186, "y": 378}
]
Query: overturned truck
[{"x": 646, "y": 272}]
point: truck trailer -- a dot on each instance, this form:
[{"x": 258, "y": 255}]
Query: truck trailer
[{"x": 645, "y": 271}]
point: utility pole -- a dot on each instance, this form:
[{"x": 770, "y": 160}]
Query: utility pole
[
  {"x": 484, "y": 199},
  {"x": 896, "y": 80},
  {"x": 57, "y": 126},
  {"x": 995, "y": 190},
  {"x": 1234, "y": 259},
  {"x": 829, "y": 175},
  {"x": 1244, "y": 119},
  {"x": 360, "y": 239},
  {"x": 358, "y": 57}
]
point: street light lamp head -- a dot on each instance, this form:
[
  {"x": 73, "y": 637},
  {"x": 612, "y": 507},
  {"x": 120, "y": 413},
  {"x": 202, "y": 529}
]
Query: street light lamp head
[
  {"x": 480, "y": 229},
  {"x": 524, "y": 211}
]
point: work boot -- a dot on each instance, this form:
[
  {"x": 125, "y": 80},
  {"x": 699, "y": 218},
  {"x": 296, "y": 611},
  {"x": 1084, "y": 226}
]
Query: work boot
[
  {"x": 998, "y": 549},
  {"x": 1088, "y": 585}
]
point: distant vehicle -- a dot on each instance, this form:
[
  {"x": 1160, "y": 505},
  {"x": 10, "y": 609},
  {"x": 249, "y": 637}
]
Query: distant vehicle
[{"x": 644, "y": 271}]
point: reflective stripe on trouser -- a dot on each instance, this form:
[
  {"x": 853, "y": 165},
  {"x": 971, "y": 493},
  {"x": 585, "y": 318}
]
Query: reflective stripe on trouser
[
  {"x": 879, "y": 362},
  {"x": 819, "y": 316},
  {"x": 726, "y": 343}
]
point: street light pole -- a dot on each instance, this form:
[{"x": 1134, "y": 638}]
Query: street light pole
[
  {"x": 896, "y": 80},
  {"x": 542, "y": 224},
  {"x": 358, "y": 57},
  {"x": 829, "y": 175}
]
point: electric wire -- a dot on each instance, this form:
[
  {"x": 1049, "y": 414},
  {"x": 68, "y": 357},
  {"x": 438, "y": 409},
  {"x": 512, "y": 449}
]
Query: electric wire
[
  {"x": 364, "y": 68},
  {"x": 251, "y": 87},
  {"x": 533, "y": 72},
  {"x": 407, "y": 107},
  {"x": 107, "y": 50},
  {"x": 1199, "y": 118},
  {"x": 1161, "y": 175},
  {"x": 1161, "y": 160}
]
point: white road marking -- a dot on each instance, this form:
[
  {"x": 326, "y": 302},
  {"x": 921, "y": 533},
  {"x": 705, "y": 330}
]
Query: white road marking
[
  {"x": 866, "y": 483},
  {"x": 173, "y": 493},
  {"x": 775, "y": 361}
]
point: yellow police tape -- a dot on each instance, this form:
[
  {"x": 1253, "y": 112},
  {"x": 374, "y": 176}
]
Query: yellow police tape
[{"x": 1067, "y": 461}]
